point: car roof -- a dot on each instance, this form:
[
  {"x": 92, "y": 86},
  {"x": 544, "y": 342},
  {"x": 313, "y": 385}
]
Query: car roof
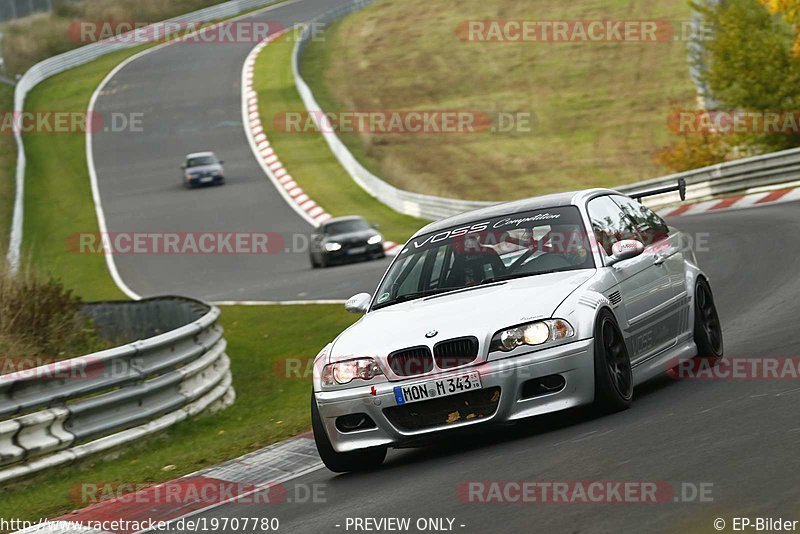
[
  {"x": 552, "y": 200},
  {"x": 199, "y": 155},
  {"x": 345, "y": 218}
]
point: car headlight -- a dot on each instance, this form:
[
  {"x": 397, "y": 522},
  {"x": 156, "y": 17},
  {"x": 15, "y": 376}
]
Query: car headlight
[
  {"x": 531, "y": 334},
  {"x": 341, "y": 373},
  {"x": 374, "y": 240},
  {"x": 332, "y": 247}
]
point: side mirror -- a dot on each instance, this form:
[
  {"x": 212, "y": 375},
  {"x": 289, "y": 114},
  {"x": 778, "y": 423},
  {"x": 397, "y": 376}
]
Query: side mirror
[
  {"x": 183, "y": 166},
  {"x": 221, "y": 161},
  {"x": 358, "y": 303},
  {"x": 376, "y": 226},
  {"x": 625, "y": 249}
]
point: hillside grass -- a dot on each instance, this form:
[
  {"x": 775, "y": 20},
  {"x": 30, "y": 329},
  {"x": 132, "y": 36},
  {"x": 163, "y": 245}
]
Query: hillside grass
[
  {"x": 599, "y": 109},
  {"x": 270, "y": 406},
  {"x": 34, "y": 38},
  {"x": 307, "y": 156}
]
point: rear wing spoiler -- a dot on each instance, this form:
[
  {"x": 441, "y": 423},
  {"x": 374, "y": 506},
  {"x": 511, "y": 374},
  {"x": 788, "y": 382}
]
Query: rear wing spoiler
[{"x": 681, "y": 188}]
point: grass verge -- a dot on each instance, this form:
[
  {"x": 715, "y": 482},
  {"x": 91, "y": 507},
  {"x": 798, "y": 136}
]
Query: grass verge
[
  {"x": 307, "y": 156},
  {"x": 598, "y": 109},
  {"x": 269, "y": 407}
]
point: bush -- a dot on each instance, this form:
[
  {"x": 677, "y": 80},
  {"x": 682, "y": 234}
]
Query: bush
[
  {"x": 692, "y": 151},
  {"x": 752, "y": 67},
  {"x": 42, "y": 319},
  {"x": 753, "y": 63},
  {"x": 32, "y": 39}
]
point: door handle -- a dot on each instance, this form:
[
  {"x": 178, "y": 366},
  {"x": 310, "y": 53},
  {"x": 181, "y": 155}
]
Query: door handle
[{"x": 659, "y": 259}]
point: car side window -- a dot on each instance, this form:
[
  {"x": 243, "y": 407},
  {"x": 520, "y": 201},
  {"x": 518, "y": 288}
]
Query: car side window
[
  {"x": 649, "y": 225},
  {"x": 609, "y": 223}
]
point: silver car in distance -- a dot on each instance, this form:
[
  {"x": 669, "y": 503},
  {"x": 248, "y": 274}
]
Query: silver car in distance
[{"x": 508, "y": 312}]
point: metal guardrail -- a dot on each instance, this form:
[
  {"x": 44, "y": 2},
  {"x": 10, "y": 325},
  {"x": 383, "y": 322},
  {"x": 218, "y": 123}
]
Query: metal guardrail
[
  {"x": 61, "y": 412},
  {"x": 729, "y": 178},
  {"x": 721, "y": 179},
  {"x": 74, "y": 58}
]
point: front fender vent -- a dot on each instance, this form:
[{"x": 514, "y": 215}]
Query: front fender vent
[{"x": 615, "y": 298}]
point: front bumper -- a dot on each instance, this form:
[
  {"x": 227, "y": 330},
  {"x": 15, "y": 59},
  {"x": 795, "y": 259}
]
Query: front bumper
[
  {"x": 345, "y": 255},
  {"x": 573, "y": 361},
  {"x": 194, "y": 182}
]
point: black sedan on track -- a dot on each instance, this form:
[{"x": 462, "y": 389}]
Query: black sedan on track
[{"x": 344, "y": 239}]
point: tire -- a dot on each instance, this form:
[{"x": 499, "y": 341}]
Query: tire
[
  {"x": 323, "y": 261},
  {"x": 342, "y": 462},
  {"x": 314, "y": 264},
  {"x": 613, "y": 377},
  {"x": 707, "y": 328}
]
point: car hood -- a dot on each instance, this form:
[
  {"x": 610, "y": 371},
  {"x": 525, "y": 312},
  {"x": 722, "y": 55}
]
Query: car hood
[
  {"x": 204, "y": 169},
  {"x": 478, "y": 311}
]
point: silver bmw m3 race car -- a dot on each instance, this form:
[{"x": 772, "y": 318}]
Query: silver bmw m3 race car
[{"x": 508, "y": 312}]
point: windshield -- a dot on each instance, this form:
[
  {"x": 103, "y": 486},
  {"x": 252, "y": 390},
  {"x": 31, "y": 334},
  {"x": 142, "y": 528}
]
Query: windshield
[
  {"x": 344, "y": 227},
  {"x": 492, "y": 250},
  {"x": 203, "y": 160}
]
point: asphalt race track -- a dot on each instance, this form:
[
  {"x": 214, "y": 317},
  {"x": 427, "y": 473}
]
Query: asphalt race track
[
  {"x": 739, "y": 435},
  {"x": 189, "y": 95}
]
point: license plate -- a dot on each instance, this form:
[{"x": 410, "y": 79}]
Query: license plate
[
  {"x": 355, "y": 251},
  {"x": 437, "y": 388},
  {"x": 206, "y": 179}
]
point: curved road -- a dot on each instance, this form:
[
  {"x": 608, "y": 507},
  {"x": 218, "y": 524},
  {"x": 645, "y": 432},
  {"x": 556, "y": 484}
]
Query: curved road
[
  {"x": 742, "y": 436},
  {"x": 189, "y": 98}
]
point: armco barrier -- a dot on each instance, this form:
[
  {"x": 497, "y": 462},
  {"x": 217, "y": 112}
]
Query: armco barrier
[
  {"x": 62, "y": 62},
  {"x": 62, "y": 412},
  {"x": 723, "y": 179}
]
